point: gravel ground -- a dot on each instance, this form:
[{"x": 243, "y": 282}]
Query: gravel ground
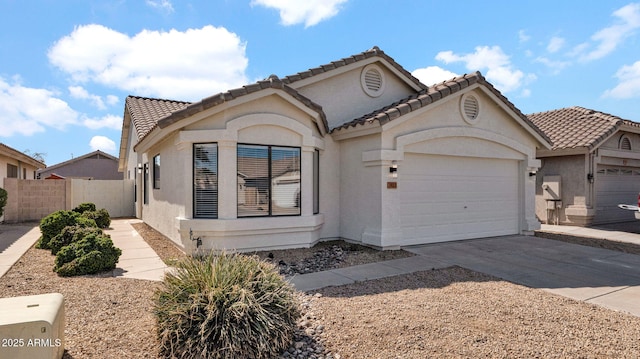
[{"x": 444, "y": 313}]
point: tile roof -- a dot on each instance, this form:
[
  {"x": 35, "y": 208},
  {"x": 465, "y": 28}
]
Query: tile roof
[
  {"x": 433, "y": 94},
  {"x": 576, "y": 127},
  {"x": 145, "y": 112},
  {"x": 373, "y": 52},
  {"x": 272, "y": 82},
  {"x": 13, "y": 153},
  {"x": 79, "y": 158}
]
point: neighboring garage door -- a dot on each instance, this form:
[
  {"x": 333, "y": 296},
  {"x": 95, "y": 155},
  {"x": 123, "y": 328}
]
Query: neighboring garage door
[
  {"x": 615, "y": 185},
  {"x": 446, "y": 198}
]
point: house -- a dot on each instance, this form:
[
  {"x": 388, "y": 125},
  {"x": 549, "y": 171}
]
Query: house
[
  {"x": 595, "y": 163},
  {"x": 15, "y": 164},
  {"x": 96, "y": 165},
  {"x": 356, "y": 149}
]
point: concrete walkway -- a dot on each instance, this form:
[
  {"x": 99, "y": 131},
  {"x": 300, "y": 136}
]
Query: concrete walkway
[
  {"x": 607, "y": 278},
  {"x": 15, "y": 241},
  {"x": 138, "y": 259}
]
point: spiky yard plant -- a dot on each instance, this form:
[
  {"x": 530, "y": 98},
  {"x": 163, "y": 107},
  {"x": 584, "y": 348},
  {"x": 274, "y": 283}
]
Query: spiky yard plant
[{"x": 225, "y": 306}]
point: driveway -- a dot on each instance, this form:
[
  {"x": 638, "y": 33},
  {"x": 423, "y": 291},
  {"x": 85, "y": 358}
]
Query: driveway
[{"x": 594, "y": 275}]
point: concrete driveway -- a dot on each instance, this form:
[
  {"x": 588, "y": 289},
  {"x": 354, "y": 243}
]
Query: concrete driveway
[{"x": 599, "y": 276}]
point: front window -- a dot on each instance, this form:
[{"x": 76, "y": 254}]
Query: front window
[
  {"x": 12, "y": 171},
  {"x": 268, "y": 181},
  {"x": 145, "y": 184},
  {"x": 156, "y": 172},
  {"x": 205, "y": 180}
]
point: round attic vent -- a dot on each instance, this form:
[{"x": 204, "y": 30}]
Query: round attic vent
[
  {"x": 372, "y": 80},
  {"x": 470, "y": 108}
]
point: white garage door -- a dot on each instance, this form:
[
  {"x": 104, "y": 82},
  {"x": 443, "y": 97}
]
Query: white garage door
[
  {"x": 446, "y": 198},
  {"x": 615, "y": 185}
]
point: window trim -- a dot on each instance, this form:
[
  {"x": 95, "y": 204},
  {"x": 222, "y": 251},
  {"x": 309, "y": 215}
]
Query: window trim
[
  {"x": 156, "y": 171},
  {"x": 270, "y": 213},
  {"x": 316, "y": 181}
]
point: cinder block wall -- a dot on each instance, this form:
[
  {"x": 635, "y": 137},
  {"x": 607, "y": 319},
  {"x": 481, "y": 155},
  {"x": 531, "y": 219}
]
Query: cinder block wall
[{"x": 32, "y": 200}]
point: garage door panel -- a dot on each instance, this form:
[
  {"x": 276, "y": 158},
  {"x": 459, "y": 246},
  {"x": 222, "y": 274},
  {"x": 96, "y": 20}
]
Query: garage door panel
[
  {"x": 615, "y": 185},
  {"x": 449, "y": 198}
]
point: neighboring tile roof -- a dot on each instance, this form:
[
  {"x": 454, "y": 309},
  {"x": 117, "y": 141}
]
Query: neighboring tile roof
[
  {"x": 575, "y": 127},
  {"x": 431, "y": 95},
  {"x": 272, "y": 82},
  {"x": 79, "y": 158},
  {"x": 13, "y": 153},
  {"x": 373, "y": 52},
  {"x": 145, "y": 112}
]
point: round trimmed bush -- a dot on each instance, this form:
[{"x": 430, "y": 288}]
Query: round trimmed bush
[
  {"x": 102, "y": 218},
  {"x": 92, "y": 254},
  {"x": 71, "y": 234},
  {"x": 225, "y": 306},
  {"x": 85, "y": 207},
  {"x": 53, "y": 224}
]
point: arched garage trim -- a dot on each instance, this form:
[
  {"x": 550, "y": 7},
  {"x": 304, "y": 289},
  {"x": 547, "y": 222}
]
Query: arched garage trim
[{"x": 449, "y": 132}]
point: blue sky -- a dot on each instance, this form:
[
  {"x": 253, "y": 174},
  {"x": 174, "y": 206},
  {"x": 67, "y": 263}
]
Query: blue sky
[{"x": 66, "y": 66}]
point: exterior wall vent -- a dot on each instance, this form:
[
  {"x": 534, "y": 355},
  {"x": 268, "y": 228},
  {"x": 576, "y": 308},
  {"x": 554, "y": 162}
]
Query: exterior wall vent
[
  {"x": 470, "y": 108},
  {"x": 625, "y": 143},
  {"x": 372, "y": 80}
]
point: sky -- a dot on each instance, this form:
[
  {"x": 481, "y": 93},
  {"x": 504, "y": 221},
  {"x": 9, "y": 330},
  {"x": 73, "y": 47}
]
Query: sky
[{"x": 67, "y": 66}]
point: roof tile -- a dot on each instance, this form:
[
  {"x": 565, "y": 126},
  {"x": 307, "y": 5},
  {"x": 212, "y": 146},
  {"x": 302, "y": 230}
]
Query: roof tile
[
  {"x": 576, "y": 127},
  {"x": 431, "y": 95}
]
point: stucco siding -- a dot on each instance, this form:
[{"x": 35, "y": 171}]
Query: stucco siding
[
  {"x": 343, "y": 99},
  {"x": 361, "y": 186},
  {"x": 572, "y": 170}
]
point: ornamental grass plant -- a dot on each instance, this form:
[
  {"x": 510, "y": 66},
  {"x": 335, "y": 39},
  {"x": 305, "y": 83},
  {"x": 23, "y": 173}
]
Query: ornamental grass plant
[{"x": 225, "y": 306}]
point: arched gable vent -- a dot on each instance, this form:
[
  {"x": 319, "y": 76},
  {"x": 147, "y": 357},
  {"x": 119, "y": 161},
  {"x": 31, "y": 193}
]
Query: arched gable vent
[{"x": 625, "y": 143}]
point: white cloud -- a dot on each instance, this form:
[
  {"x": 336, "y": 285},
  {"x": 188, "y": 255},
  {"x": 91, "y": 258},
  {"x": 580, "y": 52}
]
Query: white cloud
[
  {"x": 555, "y": 44},
  {"x": 187, "y": 65},
  {"x": 555, "y": 66},
  {"x": 433, "y": 74},
  {"x": 311, "y": 12},
  {"x": 493, "y": 62},
  {"x": 112, "y": 99},
  {"x": 608, "y": 39},
  {"x": 109, "y": 121},
  {"x": 102, "y": 143},
  {"x": 25, "y": 110},
  {"x": 523, "y": 37},
  {"x": 164, "y": 5},
  {"x": 81, "y": 93},
  {"x": 629, "y": 83}
]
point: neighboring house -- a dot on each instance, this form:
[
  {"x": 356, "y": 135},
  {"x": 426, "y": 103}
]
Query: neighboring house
[
  {"x": 357, "y": 149},
  {"x": 96, "y": 165},
  {"x": 595, "y": 160},
  {"x": 15, "y": 164}
]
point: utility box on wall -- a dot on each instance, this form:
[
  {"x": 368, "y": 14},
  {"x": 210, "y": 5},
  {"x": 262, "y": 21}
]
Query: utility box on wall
[
  {"x": 32, "y": 326},
  {"x": 551, "y": 188}
]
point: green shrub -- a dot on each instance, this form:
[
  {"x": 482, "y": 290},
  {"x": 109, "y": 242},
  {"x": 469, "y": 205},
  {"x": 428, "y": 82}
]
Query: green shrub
[
  {"x": 225, "y": 306},
  {"x": 3, "y": 200},
  {"x": 102, "y": 218},
  {"x": 85, "y": 207},
  {"x": 71, "y": 234},
  {"x": 53, "y": 224},
  {"x": 94, "y": 253}
]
